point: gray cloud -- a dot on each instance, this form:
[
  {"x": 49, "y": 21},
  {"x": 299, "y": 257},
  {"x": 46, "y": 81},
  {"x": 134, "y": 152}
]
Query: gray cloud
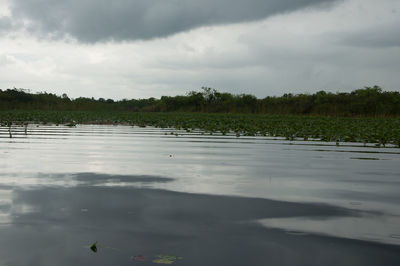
[
  {"x": 348, "y": 46},
  {"x": 5, "y": 24},
  {"x": 378, "y": 37},
  {"x": 102, "y": 20}
]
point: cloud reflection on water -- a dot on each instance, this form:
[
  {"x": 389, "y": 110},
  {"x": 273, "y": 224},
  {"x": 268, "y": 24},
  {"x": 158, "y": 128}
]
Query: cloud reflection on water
[
  {"x": 218, "y": 229},
  {"x": 47, "y": 194}
]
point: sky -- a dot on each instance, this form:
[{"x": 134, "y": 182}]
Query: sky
[{"x": 148, "y": 48}]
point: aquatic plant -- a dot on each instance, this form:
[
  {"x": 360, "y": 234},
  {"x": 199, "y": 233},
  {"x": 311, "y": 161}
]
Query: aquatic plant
[
  {"x": 377, "y": 130},
  {"x": 166, "y": 259},
  {"x": 160, "y": 259}
]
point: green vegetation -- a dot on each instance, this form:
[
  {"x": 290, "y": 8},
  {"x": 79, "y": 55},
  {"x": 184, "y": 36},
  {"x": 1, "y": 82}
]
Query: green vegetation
[
  {"x": 380, "y": 130},
  {"x": 166, "y": 259},
  {"x": 369, "y": 101},
  {"x": 368, "y": 115}
]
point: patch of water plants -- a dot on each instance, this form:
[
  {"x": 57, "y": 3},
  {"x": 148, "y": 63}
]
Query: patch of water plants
[
  {"x": 159, "y": 259},
  {"x": 378, "y": 130}
]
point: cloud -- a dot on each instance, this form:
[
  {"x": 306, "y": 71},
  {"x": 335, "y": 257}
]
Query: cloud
[
  {"x": 102, "y": 20},
  {"x": 342, "y": 48},
  {"x": 5, "y": 24},
  {"x": 378, "y": 37}
]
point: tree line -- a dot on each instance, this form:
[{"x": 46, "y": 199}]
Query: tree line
[{"x": 368, "y": 101}]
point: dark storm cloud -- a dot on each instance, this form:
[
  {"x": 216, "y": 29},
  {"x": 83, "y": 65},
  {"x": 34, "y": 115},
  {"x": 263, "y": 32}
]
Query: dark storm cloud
[{"x": 100, "y": 20}]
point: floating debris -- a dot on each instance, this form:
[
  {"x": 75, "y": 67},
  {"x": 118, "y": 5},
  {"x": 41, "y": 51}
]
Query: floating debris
[
  {"x": 138, "y": 258},
  {"x": 94, "y": 247}
]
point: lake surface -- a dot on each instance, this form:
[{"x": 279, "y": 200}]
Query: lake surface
[{"x": 210, "y": 199}]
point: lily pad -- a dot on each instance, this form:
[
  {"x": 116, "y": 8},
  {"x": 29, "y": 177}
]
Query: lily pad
[
  {"x": 166, "y": 259},
  {"x": 163, "y": 261}
]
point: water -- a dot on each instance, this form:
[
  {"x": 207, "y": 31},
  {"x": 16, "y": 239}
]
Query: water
[{"x": 216, "y": 200}]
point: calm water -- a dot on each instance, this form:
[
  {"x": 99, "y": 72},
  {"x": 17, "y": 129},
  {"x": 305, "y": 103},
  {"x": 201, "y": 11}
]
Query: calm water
[{"x": 214, "y": 200}]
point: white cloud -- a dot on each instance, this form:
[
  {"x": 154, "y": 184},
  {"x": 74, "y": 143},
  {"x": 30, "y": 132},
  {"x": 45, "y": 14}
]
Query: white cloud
[{"x": 4, "y": 8}]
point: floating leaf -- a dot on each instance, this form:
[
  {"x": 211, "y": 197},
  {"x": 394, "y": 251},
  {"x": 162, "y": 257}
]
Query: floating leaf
[
  {"x": 169, "y": 257},
  {"x": 163, "y": 261},
  {"x": 166, "y": 259},
  {"x": 94, "y": 247}
]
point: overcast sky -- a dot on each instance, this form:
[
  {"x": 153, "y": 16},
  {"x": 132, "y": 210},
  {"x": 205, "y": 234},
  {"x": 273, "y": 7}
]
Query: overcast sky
[{"x": 149, "y": 48}]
